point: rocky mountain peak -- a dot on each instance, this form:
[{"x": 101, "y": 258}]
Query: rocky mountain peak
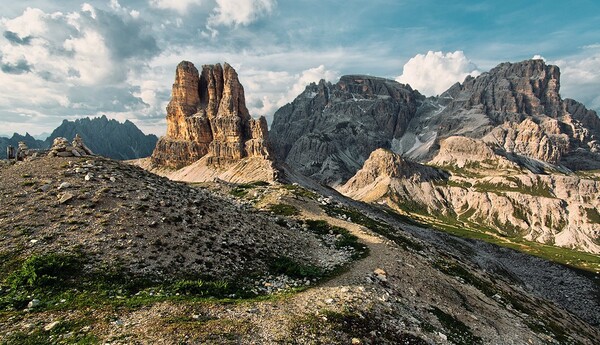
[
  {"x": 207, "y": 116},
  {"x": 529, "y": 87}
]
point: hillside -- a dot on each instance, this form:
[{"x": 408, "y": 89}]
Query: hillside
[{"x": 126, "y": 256}]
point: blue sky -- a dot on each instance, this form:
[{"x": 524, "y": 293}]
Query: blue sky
[{"x": 69, "y": 59}]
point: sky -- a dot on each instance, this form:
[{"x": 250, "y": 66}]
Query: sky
[{"x": 69, "y": 59}]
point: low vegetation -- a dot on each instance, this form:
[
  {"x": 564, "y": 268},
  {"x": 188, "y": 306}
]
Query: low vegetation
[
  {"x": 284, "y": 210},
  {"x": 376, "y": 226},
  {"x": 344, "y": 239}
]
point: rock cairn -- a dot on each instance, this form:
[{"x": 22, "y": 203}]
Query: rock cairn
[{"x": 62, "y": 148}]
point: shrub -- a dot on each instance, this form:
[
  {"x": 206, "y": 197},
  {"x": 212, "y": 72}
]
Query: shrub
[
  {"x": 40, "y": 271},
  {"x": 284, "y": 210},
  {"x": 289, "y": 267}
]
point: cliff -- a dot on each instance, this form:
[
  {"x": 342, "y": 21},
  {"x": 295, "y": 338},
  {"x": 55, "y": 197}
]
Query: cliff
[{"x": 207, "y": 116}]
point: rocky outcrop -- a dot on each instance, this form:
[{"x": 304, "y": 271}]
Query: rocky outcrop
[
  {"x": 330, "y": 130},
  {"x": 207, "y": 116},
  {"x": 483, "y": 194},
  {"x": 464, "y": 153}
]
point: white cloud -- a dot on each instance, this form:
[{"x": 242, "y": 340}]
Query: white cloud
[
  {"x": 538, "y": 57},
  {"x": 60, "y": 65},
  {"x": 180, "y": 6},
  {"x": 240, "y": 12},
  {"x": 435, "y": 72},
  {"x": 580, "y": 79},
  {"x": 267, "y": 91}
]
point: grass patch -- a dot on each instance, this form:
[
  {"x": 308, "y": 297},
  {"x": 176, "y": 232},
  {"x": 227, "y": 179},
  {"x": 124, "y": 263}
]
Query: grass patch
[
  {"x": 593, "y": 215},
  {"x": 455, "y": 270},
  {"x": 294, "y": 269},
  {"x": 54, "y": 277},
  {"x": 458, "y": 332},
  {"x": 474, "y": 230},
  {"x": 301, "y": 192},
  {"x": 284, "y": 210},
  {"x": 376, "y": 226},
  {"x": 241, "y": 190},
  {"x": 344, "y": 238}
]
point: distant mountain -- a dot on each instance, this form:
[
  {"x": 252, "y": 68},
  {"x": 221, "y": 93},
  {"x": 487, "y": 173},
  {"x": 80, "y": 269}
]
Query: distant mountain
[
  {"x": 329, "y": 130},
  {"x": 105, "y": 137},
  {"x": 108, "y": 138},
  {"x": 14, "y": 141}
]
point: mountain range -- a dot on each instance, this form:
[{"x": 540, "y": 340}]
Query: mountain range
[
  {"x": 502, "y": 153},
  {"x": 323, "y": 230},
  {"x": 105, "y": 137}
]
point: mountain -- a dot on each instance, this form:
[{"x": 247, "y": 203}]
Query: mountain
[
  {"x": 490, "y": 193},
  {"x": 520, "y": 161},
  {"x": 210, "y": 133},
  {"x": 108, "y": 138},
  {"x": 329, "y": 131},
  {"x": 30, "y": 141}
]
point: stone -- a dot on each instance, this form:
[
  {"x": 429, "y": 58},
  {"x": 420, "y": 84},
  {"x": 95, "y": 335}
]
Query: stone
[
  {"x": 51, "y": 326},
  {"x": 64, "y": 185},
  {"x": 356, "y": 341},
  {"x": 63, "y": 198},
  {"x": 207, "y": 116},
  {"x": 33, "y": 303}
]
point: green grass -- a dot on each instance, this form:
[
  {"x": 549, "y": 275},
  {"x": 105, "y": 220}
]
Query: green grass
[
  {"x": 301, "y": 192},
  {"x": 593, "y": 215},
  {"x": 376, "y": 226},
  {"x": 284, "y": 210},
  {"x": 458, "y": 332},
  {"x": 54, "y": 277},
  {"x": 538, "y": 188},
  {"x": 345, "y": 238},
  {"x": 294, "y": 269},
  {"x": 241, "y": 190},
  {"x": 473, "y": 230}
]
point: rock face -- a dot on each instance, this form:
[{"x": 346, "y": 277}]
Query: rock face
[
  {"x": 207, "y": 116},
  {"x": 508, "y": 141},
  {"x": 485, "y": 191},
  {"x": 329, "y": 130}
]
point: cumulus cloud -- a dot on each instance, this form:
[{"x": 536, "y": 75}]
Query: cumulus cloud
[
  {"x": 538, "y": 57},
  {"x": 71, "y": 64},
  {"x": 240, "y": 12},
  {"x": 580, "y": 79},
  {"x": 180, "y": 6},
  {"x": 434, "y": 72},
  {"x": 268, "y": 91}
]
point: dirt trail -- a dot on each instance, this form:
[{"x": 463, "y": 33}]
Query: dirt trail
[{"x": 355, "y": 286}]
